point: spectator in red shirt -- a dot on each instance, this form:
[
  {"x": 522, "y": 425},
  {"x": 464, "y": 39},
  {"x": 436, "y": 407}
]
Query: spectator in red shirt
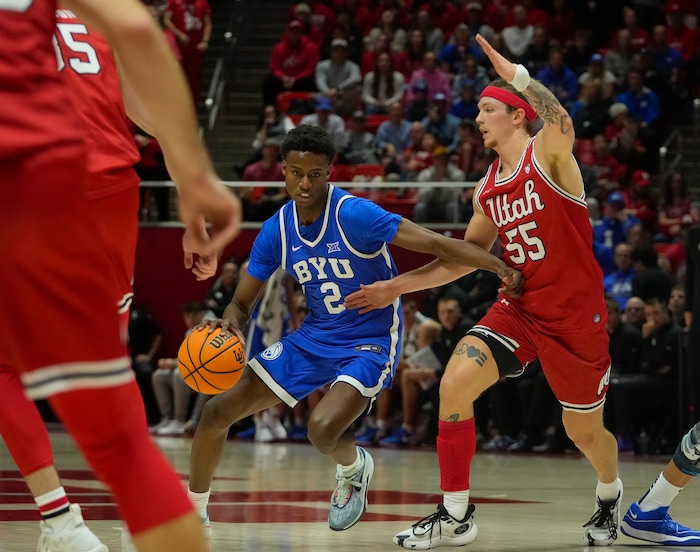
[
  {"x": 623, "y": 135},
  {"x": 292, "y": 64},
  {"x": 676, "y": 204},
  {"x": 679, "y": 36},
  {"x": 190, "y": 22},
  {"x": 358, "y": 12},
  {"x": 418, "y": 157},
  {"x": 320, "y": 15},
  {"x": 444, "y": 14},
  {"x": 640, "y": 201},
  {"x": 302, "y": 13},
  {"x": 640, "y": 38},
  {"x": 535, "y": 16},
  {"x": 607, "y": 169},
  {"x": 401, "y": 9},
  {"x": 261, "y": 203},
  {"x": 562, "y": 22}
]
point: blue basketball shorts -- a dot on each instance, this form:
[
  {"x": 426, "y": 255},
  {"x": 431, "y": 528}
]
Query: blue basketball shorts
[{"x": 296, "y": 366}]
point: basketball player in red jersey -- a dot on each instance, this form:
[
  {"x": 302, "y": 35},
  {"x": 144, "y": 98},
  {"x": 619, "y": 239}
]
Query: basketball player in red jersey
[
  {"x": 532, "y": 199},
  {"x": 59, "y": 265}
]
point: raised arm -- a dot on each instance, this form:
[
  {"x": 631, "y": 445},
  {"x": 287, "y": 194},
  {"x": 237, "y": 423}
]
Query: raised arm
[{"x": 555, "y": 141}]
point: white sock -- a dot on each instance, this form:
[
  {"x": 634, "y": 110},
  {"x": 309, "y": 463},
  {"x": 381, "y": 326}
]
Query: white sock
[
  {"x": 608, "y": 491},
  {"x": 352, "y": 469},
  {"x": 456, "y": 503},
  {"x": 200, "y": 501},
  {"x": 660, "y": 494},
  {"x": 54, "y": 507}
]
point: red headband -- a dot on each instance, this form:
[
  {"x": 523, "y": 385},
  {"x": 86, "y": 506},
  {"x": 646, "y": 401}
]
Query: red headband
[{"x": 510, "y": 99}]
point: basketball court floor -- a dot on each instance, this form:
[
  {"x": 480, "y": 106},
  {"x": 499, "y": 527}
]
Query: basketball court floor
[{"x": 274, "y": 498}]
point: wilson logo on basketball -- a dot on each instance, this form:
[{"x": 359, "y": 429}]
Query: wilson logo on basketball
[{"x": 219, "y": 340}]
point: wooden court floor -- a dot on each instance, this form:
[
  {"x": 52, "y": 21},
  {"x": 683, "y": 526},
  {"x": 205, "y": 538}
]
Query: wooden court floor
[{"x": 274, "y": 497}]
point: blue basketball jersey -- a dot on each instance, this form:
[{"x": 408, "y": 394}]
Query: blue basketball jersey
[{"x": 330, "y": 258}]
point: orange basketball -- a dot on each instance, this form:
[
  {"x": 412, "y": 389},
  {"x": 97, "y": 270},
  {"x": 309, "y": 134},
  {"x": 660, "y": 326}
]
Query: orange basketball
[{"x": 211, "y": 363}]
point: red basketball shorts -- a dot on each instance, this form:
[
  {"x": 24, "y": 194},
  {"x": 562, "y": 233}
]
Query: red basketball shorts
[
  {"x": 576, "y": 365},
  {"x": 117, "y": 220},
  {"x": 57, "y": 301}
]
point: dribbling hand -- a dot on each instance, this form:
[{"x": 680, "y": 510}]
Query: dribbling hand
[{"x": 226, "y": 326}]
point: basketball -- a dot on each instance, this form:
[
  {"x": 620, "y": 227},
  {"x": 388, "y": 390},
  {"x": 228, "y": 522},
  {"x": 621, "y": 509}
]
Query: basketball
[{"x": 211, "y": 363}]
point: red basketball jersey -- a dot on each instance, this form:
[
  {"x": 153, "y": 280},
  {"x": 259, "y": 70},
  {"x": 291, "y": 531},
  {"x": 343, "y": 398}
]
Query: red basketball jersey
[
  {"x": 188, "y": 16},
  {"x": 546, "y": 234},
  {"x": 87, "y": 61},
  {"x": 35, "y": 109}
]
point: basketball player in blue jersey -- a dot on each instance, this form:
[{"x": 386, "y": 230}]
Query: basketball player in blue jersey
[{"x": 331, "y": 242}]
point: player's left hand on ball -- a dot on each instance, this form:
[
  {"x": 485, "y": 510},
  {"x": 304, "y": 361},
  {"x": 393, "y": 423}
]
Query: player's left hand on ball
[
  {"x": 513, "y": 281},
  {"x": 225, "y": 325}
]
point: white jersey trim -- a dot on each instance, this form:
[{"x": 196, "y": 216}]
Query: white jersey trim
[
  {"x": 322, "y": 232},
  {"x": 59, "y": 378},
  {"x": 344, "y": 237},
  {"x": 283, "y": 236},
  {"x": 507, "y": 342},
  {"x": 124, "y": 304},
  {"x": 275, "y": 387},
  {"x": 583, "y": 407}
]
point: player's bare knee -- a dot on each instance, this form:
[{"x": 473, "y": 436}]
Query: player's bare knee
[
  {"x": 456, "y": 382},
  {"x": 323, "y": 433},
  {"x": 217, "y": 416}
]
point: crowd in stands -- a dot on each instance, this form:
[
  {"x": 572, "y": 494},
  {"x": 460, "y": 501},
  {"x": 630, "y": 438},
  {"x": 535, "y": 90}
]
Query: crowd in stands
[{"x": 409, "y": 73}]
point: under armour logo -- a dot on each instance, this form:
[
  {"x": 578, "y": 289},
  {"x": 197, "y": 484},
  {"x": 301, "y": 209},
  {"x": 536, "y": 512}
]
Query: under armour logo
[
  {"x": 505, "y": 301},
  {"x": 333, "y": 247}
]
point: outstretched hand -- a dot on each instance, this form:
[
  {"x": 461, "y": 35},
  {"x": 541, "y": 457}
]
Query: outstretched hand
[
  {"x": 212, "y": 217},
  {"x": 513, "y": 281},
  {"x": 377, "y": 295},
  {"x": 501, "y": 65}
]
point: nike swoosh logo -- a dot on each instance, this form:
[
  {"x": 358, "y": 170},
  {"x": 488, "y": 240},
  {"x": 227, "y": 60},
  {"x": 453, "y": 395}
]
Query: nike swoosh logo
[
  {"x": 297, "y": 248},
  {"x": 633, "y": 515}
]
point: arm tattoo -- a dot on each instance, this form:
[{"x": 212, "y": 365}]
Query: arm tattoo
[{"x": 547, "y": 106}]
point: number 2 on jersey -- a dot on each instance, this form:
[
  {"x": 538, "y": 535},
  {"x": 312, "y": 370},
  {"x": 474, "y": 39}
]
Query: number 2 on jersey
[{"x": 527, "y": 246}]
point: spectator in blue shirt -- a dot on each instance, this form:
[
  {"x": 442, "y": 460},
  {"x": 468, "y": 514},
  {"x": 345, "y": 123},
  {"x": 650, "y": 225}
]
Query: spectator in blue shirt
[
  {"x": 466, "y": 105},
  {"x": 618, "y": 285},
  {"x": 615, "y": 225},
  {"x": 560, "y": 80},
  {"x": 642, "y": 103},
  {"x": 452, "y": 56},
  {"x": 441, "y": 124},
  {"x": 393, "y": 136}
]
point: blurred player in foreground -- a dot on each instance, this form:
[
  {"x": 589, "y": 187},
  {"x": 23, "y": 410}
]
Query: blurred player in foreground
[{"x": 60, "y": 252}]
